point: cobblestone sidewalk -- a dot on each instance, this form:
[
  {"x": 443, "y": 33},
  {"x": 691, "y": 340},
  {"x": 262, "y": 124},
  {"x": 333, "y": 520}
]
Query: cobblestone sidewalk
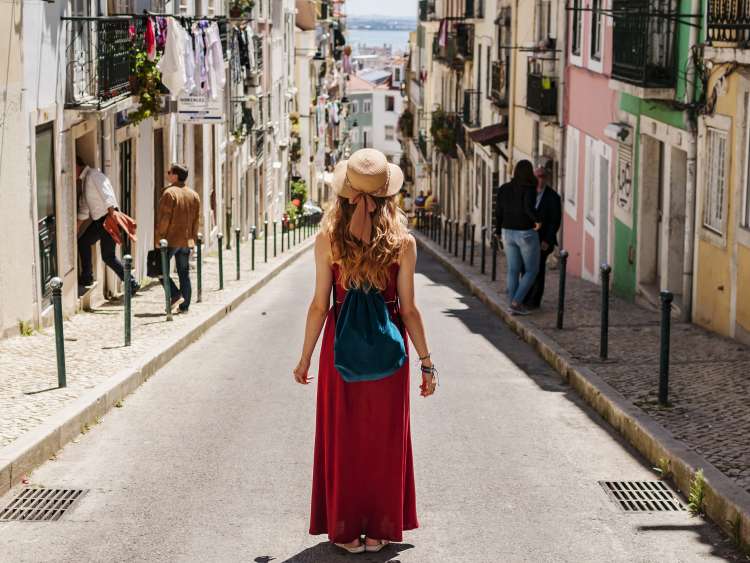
[
  {"x": 94, "y": 340},
  {"x": 709, "y": 378}
]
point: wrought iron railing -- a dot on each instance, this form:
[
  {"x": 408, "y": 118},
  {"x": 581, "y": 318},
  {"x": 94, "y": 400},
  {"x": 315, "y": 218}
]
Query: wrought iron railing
[
  {"x": 644, "y": 42},
  {"x": 729, "y": 22},
  {"x": 498, "y": 83},
  {"x": 258, "y": 44},
  {"x": 541, "y": 86},
  {"x": 98, "y": 59},
  {"x": 459, "y": 45},
  {"x": 472, "y": 102},
  {"x": 426, "y": 10},
  {"x": 260, "y": 141}
]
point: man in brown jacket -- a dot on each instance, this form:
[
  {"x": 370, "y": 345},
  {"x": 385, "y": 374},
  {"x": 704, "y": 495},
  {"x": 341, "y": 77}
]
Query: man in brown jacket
[{"x": 178, "y": 223}]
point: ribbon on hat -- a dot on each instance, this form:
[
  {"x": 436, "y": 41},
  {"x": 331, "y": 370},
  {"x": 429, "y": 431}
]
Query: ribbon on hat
[{"x": 361, "y": 224}]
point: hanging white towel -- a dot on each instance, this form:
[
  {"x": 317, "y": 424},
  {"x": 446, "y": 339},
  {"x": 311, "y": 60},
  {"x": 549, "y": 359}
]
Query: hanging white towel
[
  {"x": 172, "y": 63},
  {"x": 215, "y": 61},
  {"x": 189, "y": 57}
]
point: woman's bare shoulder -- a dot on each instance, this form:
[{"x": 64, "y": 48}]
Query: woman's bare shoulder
[
  {"x": 323, "y": 246},
  {"x": 408, "y": 248}
]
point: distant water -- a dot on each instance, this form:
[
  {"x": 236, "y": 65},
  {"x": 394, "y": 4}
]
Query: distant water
[{"x": 398, "y": 40}]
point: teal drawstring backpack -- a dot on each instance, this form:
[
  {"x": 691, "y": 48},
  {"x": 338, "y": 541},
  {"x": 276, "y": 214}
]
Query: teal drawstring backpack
[{"x": 368, "y": 345}]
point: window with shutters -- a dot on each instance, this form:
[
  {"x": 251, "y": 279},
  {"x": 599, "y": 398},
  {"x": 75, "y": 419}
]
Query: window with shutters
[
  {"x": 715, "y": 202},
  {"x": 390, "y": 132}
]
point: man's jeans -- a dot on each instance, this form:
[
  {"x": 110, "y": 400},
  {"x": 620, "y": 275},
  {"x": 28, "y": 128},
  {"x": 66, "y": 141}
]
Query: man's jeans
[
  {"x": 522, "y": 251},
  {"x": 181, "y": 259},
  {"x": 94, "y": 233}
]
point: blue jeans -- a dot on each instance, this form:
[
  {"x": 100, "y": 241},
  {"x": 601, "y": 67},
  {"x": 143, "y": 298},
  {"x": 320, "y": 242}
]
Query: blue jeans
[
  {"x": 181, "y": 259},
  {"x": 522, "y": 251}
]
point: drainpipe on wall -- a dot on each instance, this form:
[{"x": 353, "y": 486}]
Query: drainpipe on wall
[
  {"x": 560, "y": 149},
  {"x": 691, "y": 189},
  {"x": 512, "y": 92}
]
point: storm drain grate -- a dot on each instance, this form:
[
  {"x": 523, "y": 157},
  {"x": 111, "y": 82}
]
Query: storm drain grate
[
  {"x": 642, "y": 496},
  {"x": 40, "y": 505}
]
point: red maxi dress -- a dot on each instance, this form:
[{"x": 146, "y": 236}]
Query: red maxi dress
[{"x": 363, "y": 475}]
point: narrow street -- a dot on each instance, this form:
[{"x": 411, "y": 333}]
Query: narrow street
[{"x": 211, "y": 459}]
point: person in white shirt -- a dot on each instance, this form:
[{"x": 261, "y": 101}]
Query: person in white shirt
[{"x": 96, "y": 202}]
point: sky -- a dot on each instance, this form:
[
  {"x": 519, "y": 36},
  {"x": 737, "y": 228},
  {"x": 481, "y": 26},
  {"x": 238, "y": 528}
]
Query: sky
[{"x": 396, "y": 8}]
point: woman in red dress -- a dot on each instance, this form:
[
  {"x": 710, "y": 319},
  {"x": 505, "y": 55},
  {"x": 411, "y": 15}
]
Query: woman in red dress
[{"x": 363, "y": 477}]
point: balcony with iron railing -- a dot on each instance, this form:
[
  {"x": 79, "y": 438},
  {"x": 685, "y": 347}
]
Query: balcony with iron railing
[
  {"x": 541, "y": 86},
  {"x": 728, "y": 23},
  {"x": 458, "y": 47},
  {"x": 472, "y": 103},
  {"x": 644, "y": 42},
  {"x": 498, "y": 83},
  {"x": 260, "y": 141},
  {"x": 98, "y": 59}
]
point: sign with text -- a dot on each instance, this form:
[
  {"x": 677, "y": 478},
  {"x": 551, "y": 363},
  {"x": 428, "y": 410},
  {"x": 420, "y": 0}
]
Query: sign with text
[{"x": 200, "y": 109}]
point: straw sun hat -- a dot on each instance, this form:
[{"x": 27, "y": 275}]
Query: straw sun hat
[{"x": 366, "y": 175}]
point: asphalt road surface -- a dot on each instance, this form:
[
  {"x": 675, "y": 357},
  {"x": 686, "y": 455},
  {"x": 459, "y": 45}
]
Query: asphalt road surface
[{"x": 210, "y": 460}]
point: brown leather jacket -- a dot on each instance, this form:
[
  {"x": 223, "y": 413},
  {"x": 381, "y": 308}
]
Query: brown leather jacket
[{"x": 179, "y": 217}]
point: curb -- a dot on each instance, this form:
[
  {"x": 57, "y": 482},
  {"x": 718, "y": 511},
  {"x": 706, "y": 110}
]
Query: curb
[
  {"x": 38, "y": 445},
  {"x": 724, "y": 500}
]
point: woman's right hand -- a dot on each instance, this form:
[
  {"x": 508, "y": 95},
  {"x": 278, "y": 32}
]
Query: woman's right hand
[
  {"x": 300, "y": 372},
  {"x": 429, "y": 381}
]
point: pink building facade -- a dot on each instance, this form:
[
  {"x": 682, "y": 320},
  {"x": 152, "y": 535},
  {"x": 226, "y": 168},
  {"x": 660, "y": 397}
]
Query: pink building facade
[{"x": 589, "y": 153}]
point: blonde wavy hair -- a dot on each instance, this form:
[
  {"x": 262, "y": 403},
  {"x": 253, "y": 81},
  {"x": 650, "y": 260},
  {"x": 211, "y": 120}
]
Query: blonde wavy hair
[{"x": 366, "y": 264}]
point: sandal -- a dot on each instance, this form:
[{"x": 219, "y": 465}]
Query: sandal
[
  {"x": 360, "y": 548},
  {"x": 377, "y": 547}
]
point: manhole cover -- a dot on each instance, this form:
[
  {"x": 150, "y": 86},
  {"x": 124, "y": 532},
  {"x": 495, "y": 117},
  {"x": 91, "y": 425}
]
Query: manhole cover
[
  {"x": 40, "y": 505},
  {"x": 642, "y": 496}
]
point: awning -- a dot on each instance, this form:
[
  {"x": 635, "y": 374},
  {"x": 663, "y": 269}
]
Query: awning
[{"x": 490, "y": 135}]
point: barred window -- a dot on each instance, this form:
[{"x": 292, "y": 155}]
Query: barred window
[{"x": 715, "y": 202}]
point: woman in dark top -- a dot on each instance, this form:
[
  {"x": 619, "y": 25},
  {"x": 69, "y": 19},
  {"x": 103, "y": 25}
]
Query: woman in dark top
[{"x": 517, "y": 223}]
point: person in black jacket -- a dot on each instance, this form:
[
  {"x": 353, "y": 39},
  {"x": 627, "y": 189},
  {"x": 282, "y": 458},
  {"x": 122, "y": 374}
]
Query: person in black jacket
[
  {"x": 517, "y": 222},
  {"x": 549, "y": 209}
]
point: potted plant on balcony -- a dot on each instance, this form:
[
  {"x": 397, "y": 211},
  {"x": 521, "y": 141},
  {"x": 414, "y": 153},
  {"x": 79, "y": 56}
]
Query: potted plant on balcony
[
  {"x": 145, "y": 83},
  {"x": 443, "y": 132},
  {"x": 406, "y": 123},
  {"x": 241, "y": 8}
]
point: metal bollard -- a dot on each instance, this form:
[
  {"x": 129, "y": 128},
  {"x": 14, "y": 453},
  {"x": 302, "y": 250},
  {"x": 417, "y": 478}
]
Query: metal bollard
[
  {"x": 56, "y": 285},
  {"x": 128, "y": 268},
  {"x": 165, "y": 277},
  {"x": 449, "y": 236},
  {"x": 274, "y": 239},
  {"x": 440, "y": 230},
  {"x": 199, "y": 265},
  {"x": 606, "y": 270},
  {"x": 289, "y": 235},
  {"x": 253, "y": 238},
  {"x": 445, "y": 232},
  {"x": 265, "y": 241},
  {"x": 494, "y": 258},
  {"x": 455, "y": 238},
  {"x": 473, "y": 236},
  {"x": 220, "y": 236},
  {"x": 561, "y": 288},
  {"x": 237, "y": 245},
  {"x": 484, "y": 249},
  {"x": 465, "y": 236},
  {"x": 282, "y": 237},
  {"x": 666, "y": 325}
]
